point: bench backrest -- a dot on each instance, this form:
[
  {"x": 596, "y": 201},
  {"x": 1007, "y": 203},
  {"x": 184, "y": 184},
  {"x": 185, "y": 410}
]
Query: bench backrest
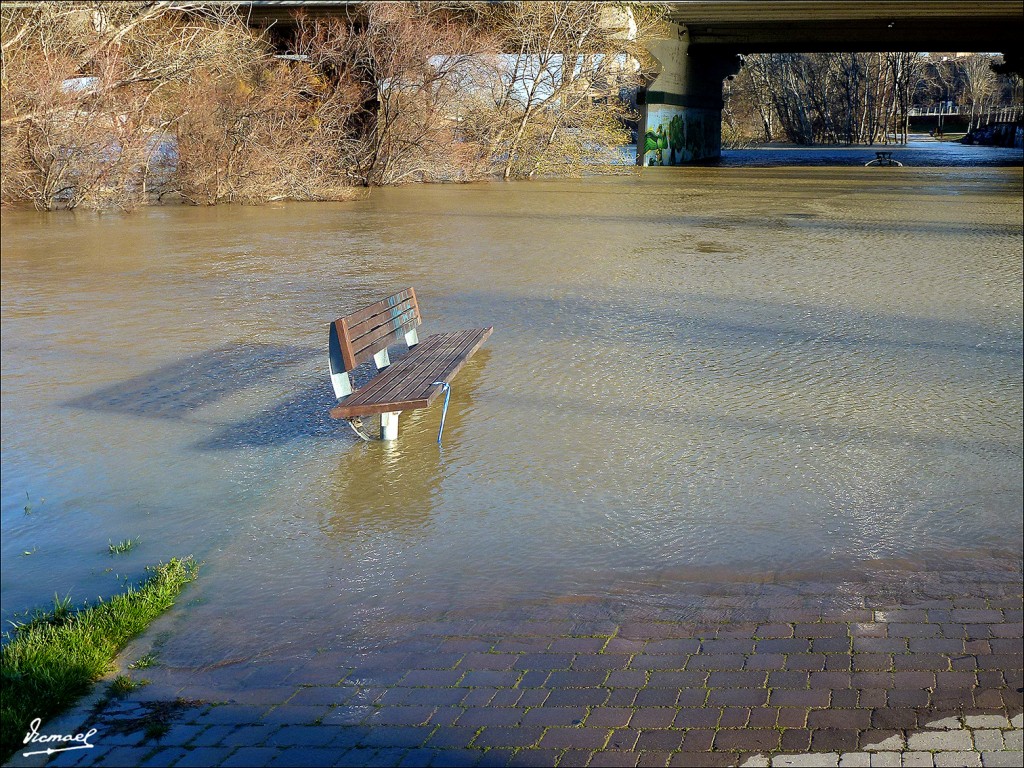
[{"x": 367, "y": 333}]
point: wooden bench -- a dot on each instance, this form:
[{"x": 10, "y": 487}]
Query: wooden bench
[{"x": 412, "y": 382}]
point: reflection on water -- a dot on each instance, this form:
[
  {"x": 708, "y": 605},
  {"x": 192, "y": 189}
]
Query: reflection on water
[{"x": 734, "y": 375}]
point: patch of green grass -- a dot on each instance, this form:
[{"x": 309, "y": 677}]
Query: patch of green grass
[
  {"x": 144, "y": 662},
  {"x": 53, "y": 657},
  {"x": 123, "y": 546},
  {"x": 122, "y": 685}
]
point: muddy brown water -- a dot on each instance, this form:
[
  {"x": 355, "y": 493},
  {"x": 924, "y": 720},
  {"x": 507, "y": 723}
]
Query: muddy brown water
[{"x": 732, "y": 374}]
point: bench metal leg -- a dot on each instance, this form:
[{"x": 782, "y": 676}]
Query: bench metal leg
[{"x": 389, "y": 425}]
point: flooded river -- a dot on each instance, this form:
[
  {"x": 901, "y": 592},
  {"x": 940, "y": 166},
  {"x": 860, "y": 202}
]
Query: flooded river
[{"x": 706, "y": 374}]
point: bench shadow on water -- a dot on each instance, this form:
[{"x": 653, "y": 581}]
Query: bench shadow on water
[{"x": 179, "y": 390}]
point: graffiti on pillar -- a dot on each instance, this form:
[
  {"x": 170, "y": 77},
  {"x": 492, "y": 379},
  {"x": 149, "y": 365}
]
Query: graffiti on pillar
[{"x": 677, "y": 135}]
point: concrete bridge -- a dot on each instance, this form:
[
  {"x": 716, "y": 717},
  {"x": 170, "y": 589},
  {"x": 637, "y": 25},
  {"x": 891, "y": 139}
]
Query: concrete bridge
[{"x": 710, "y": 36}]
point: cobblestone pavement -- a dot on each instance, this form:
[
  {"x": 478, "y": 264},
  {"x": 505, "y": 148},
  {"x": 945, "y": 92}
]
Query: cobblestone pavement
[{"x": 847, "y": 675}]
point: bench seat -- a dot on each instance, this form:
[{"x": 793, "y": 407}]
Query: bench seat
[{"x": 408, "y": 382}]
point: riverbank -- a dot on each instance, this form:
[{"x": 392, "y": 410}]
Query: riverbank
[{"x": 52, "y": 658}]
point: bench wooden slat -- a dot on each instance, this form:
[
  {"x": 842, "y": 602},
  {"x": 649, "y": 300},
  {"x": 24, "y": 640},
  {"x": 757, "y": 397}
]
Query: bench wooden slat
[
  {"x": 407, "y": 383},
  {"x": 380, "y": 306},
  {"x": 444, "y": 347},
  {"x": 404, "y": 380}
]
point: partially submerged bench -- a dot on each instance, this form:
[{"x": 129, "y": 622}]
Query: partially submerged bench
[
  {"x": 413, "y": 380},
  {"x": 884, "y": 158}
]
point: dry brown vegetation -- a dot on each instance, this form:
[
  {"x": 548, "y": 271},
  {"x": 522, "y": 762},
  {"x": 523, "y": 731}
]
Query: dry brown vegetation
[{"x": 114, "y": 104}]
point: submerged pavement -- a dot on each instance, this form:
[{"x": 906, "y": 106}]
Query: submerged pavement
[{"x": 914, "y": 670}]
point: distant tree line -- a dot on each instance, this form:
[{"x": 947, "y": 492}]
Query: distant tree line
[
  {"x": 856, "y": 98},
  {"x": 114, "y": 104}
]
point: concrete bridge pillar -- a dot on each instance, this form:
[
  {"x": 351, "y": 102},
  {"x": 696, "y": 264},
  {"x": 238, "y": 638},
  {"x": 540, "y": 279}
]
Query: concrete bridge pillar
[{"x": 681, "y": 117}]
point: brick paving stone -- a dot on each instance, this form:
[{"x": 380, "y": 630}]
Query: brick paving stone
[
  {"x": 830, "y": 679},
  {"x": 508, "y": 737},
  {"x": 886, "y": 759},
  {"x": 872, "y": 698},
  {"x": 675, "y": 647},
  {"x": 748, "y": 697},
  {"x": 477, "y": 717},
  {"x": 574, "y": 738},
  {"x": 859, "y": 719},
  {"x": 202, "y": 757},
  {"x": 724, "y": 661},
  {"x": 918, "y": 760},
  {"x": 574, "y": 758},
  {"x": 796, "y": 740},
  {"x": 653, "y": 758},
  {"x": 578, "y": 644},
  {"x": 770, "y": 631},
  {"x": 668, "y": 661},
  {"x": 609, "y": 717},
  {"x": 248, "y": 756},
  {"x": 621, "y": 697},
  {"x": 527, "y": 757},
  {"x": 623, "y": 739},
  {"x": 857, "y": 760},
  {"x": 727, "y": 646},
  {"x": 869, "y": 629},
  {"x": 957, "y": 759},
  {"x": 491, "y": 661},
  {"x": 614, "y": 759},
  {"x": 830, "y": 645},
  {"x": 604, "y": 661},
  {"x": 698, "y": 717},
  {"x": 490, "y": 678},
  {"x": 739, "y": 679},
  {"x": 448, "y": 737},
  {"x": 882, "y": 741},
  {"x": 676, "y": 679},
  {"x": 658, "y": 697},
  {"x": 747, "y": 740},
  {"x": 765, "y": 661},
  {"x": 1002, "y": 759},
  {"x": 1014, "y": 740},
  {"x": 577, "y": 697},
  {"x": 653, "y": 717},
  {"x": 734, "y": 717},
  {"x": 880, "y": 644},
  {"x": 698, "y": 740},
  {"x": 784, "y": 645},
  {"x": 833, "y": 739},
  {"x": 548, "y": 716},
  {"x": 628, "y": 678},
  {"x": 576, "y": 679},
  {"x": 659, "y": 740},
  {"x": 872, "y": 662},
  {"x": 545, "y": 661},
  {"x": 301, "y": 758},
  {"x": 988, "y": 740},
  {"x": 797, "y": 680},
  {"x": 844, "y": 698},
  {"x": 786, "y": 697},
  {"x": 436, "y": 678},
  {"x": 703, "y": 759},
  {"x": 912, "y": 698},
  {"x": 763, "y": 717},
  {"x": 821, "y": 760},
  {"x": 939, "y": 740}
]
